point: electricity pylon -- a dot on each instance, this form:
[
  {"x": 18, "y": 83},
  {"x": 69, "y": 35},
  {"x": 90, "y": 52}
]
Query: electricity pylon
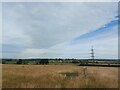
[{"x": 92, "y": 53}]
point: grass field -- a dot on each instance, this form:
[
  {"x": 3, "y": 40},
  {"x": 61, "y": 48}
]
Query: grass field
[
  {"x": 58, "y": 76},
  {"x": 1, "y": 76}
]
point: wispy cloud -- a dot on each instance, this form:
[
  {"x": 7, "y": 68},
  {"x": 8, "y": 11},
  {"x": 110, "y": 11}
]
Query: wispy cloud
[
  {"x": 100, "y": 31},
  {"x": 47, "y": 29}
]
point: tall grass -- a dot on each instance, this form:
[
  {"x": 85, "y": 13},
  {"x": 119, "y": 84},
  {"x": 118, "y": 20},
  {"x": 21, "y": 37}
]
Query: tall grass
[
  {"x": 0, "y": 76},
  {"x": 58, "y": 76}
]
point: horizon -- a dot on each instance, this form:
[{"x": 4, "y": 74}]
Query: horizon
[{"x": 66, "y": 58}]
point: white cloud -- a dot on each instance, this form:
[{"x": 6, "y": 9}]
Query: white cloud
[
  {"x": 106, "y": 46},
  {"x": 0, "y": 29},
  {"x": 60, "y": 0},
  {"x": 42, "y": 28},
  {"x": 53, "y": 19}
]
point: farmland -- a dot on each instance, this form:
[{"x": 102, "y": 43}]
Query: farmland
[{"x": 58, "y": 76}]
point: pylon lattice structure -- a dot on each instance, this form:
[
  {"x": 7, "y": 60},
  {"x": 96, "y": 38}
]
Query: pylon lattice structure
[{"x": 92, "y": 53}]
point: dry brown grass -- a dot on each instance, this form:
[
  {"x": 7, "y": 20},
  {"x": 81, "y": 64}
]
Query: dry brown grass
[
  {"x": 0, "y": 76},
  {"x": 49, "y": 76}
]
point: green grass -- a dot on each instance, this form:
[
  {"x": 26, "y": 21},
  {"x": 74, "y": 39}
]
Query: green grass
[{"x": 70, "y": 74}]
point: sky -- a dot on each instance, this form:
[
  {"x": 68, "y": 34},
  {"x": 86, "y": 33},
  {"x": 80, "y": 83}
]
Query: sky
[{"x": 59, "y": 29}]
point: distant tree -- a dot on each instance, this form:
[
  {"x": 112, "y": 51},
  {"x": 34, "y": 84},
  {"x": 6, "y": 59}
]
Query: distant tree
[
  {"x": 75, "y": 61},
  {"x": 25, "y": 62},
  {"x": 19, "y": 61},
  {"x": 37, "y": 63},
  {"x": 44, "y": 61},
  {"x": 3, "y": 62}
]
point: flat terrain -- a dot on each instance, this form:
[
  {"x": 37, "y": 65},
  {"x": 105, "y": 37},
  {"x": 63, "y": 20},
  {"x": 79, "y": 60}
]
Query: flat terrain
[
  {"x": 58, "y": 76},
  {"x": 1, "y": 76}
]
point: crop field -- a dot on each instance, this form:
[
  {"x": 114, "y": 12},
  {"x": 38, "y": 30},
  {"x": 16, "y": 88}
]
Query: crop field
[{"x": 58, "y": 76}]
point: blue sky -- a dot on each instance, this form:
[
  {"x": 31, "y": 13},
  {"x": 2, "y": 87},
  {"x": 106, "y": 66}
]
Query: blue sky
[{"x": 59, "y": 29}]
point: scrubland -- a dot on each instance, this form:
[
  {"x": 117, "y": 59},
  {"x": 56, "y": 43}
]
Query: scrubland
[{"x": 58, "y": 76}]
